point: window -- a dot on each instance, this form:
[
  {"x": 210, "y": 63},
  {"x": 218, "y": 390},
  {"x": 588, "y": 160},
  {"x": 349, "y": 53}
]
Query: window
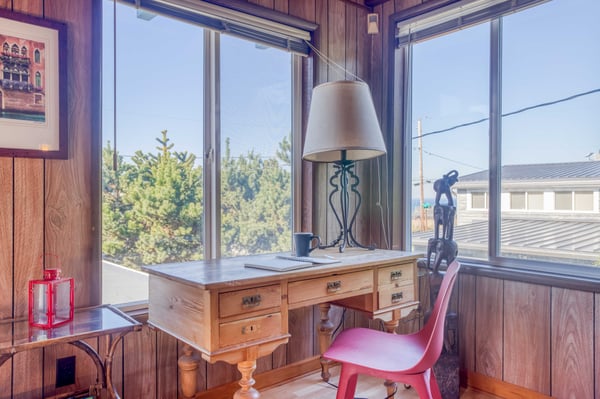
[
  {"x": 16, "y": 76},
  {"x": 479, "y": 200},
  {"x": 517, "y": 200},
  {"x": 530, "y": 112},
  {"x": 193, "y": 167},
  {"x": 256, "y": 207},
  {"x": 36, "y": 56},
  {"x": 583, "y": 201},
  {"x": 535, "y": 201},
  {"x": 563, "y": 200},
  {"x": 444, "y": 97},
  {"x": 38, "y": 80}
]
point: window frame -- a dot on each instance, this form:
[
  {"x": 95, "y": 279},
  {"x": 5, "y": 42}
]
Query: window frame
[
  {"x": 211, "y": 133},
  {"x": 212, "y": 143},
  {"x": 401, "y": 38}
]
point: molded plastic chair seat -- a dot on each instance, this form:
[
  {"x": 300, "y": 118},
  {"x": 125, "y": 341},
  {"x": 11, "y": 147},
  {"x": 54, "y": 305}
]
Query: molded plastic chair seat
[{"x": 400, "y": 358}]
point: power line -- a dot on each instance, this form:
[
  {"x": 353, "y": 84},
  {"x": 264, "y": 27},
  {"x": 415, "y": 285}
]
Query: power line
[
  {"x": 453, "y": 160},
  {"x": 511, "y": 113}
]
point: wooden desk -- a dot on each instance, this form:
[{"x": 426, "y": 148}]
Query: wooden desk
[
  {"x": 18, "y": 336},
  {"x": 237, "y": 314}
]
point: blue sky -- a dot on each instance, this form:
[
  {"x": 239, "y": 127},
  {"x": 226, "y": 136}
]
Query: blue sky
[
  {"x": 549, "y": 52},
  {"x": 160, "y": 86}
]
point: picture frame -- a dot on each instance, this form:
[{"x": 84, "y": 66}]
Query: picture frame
[{"x": 33, "y": 87}]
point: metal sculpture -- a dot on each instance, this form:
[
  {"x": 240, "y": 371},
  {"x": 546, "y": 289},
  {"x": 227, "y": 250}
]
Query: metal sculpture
[
  {"x": 442, "y": 245},
  {"x": 445, "y": 249}
]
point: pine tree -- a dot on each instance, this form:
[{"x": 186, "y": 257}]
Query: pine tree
[
  {"x": 255, "y": 203},
  {"x": 116, "y": 239},
  {"x": 152, "y": 206},
  {"x": 166, "y": 206}
]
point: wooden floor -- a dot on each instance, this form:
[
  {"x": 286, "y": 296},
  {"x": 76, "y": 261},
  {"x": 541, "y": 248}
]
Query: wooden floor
[{"x": 311, "y": 386}]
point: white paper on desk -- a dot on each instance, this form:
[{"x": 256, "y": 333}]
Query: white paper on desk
[
  {"x": 278, "y": 264},
  {"x": 312, "y": 259}
]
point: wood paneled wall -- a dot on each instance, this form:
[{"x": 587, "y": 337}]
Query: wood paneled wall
[
  {"x": 537, "y": 337},
  {"x": 46, "y": 206},
  {"x": 540, "y": 338},
  {"x": 52, "y": 207}
]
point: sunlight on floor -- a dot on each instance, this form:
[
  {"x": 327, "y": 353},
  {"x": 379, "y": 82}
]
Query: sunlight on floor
[{"x": 311, "y": 386}]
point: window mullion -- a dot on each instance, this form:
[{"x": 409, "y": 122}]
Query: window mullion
[
  {"x": 405, "y": 61},
  {"x": 212, "y": 147},
  {"x": 495, "y": 137},
  {"x": 297, "y": 139}
]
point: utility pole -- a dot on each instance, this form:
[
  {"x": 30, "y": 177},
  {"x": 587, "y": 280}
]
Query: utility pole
[{"x": 422, "y": 188}]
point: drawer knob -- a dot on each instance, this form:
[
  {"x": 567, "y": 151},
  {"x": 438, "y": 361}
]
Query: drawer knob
[
  {"x": 396, "y": 275},
  {"x": 334, "y": 286},
  {"x": 251, "y": 301},
  {"x": 397, "y": 297}
]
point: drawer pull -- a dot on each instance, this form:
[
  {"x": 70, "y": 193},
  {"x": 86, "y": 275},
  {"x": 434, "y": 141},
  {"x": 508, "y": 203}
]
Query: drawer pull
[
  {"x": 397, "y": 297},
  {"x": 396, "y": 275},
  {"x": 251, "y": 329},
  {"x": 251, "y": 301},
  {"x": 334, "y": 286}
]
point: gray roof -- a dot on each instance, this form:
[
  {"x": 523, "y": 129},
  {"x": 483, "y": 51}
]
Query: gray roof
[
  {"x": 576, "y": 241},
  {"x": 544, "y": 171}
]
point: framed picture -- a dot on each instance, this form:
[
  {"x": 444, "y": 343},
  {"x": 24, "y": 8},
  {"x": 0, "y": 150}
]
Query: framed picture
[{"x": 33, "y": 87}]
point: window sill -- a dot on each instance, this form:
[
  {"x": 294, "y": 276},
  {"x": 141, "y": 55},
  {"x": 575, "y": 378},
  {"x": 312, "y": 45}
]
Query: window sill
[
  {"x": 585, "y": 281},
  {"x": 137, "y": 310}
]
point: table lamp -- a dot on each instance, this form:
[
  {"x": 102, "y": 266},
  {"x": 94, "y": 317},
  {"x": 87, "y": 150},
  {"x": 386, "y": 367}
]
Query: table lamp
[{"x": 343, "y": 128}]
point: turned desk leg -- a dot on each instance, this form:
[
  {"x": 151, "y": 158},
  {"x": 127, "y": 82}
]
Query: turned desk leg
[
  {"x": 188, "y": 370},
  {"x": 246, "y": 391},
  {"x": 325, "y": 333},
  {"x": 390, "y": 327}
]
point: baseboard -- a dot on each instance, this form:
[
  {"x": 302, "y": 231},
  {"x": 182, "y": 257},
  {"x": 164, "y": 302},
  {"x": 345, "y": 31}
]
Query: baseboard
[
  {"x": 267, "y": 379},
  {"x": 500, "y": 388},
  {"x": 280, "y": 375}
]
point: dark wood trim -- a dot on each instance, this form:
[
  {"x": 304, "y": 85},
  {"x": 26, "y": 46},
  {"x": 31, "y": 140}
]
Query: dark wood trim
[
  {"x": 358, "y": 5},
  {"x": 374, "y": 3},
  {"x": 499, "y": 388},
  {"x": 266, "y": 13},
  {"x": 96, "y": 140},
  {"x": 421, "y": 9},
  {"x": 576, "y": 281}
]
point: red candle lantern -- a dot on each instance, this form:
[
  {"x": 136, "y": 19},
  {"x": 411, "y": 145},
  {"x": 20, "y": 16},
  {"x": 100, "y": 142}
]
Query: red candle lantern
[{"x": 50, "y": 300}]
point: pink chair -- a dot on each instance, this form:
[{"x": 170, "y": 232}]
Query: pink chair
[{"x": 401, "y": 358}]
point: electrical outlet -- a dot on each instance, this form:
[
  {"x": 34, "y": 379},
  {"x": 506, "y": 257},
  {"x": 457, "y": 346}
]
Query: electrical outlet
[{"x": 65, "y": 371}]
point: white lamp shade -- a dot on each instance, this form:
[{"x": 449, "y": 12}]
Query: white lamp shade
[{"x": 342, "y": 118}]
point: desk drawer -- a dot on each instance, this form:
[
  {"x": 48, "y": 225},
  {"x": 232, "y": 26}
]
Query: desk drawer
[
  {"x": 324, "y": 289},
  {"x": 249, "y": 300},
  {"x": 393, "y": 296},
  {"x": 240, "y": 331},
  {"x": 396, "y": 276}
]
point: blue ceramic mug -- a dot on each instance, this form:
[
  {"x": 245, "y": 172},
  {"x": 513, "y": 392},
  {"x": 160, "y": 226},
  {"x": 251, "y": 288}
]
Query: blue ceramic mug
[{"x": 303, "y": 241}]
